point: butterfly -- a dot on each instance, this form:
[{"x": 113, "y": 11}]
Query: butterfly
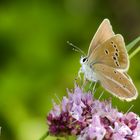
[{"x": 107, "y": 62}]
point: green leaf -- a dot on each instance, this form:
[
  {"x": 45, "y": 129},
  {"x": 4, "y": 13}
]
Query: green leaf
[
  {"x": 134, "y": 52},
  {"x": 133, "y": 44}
]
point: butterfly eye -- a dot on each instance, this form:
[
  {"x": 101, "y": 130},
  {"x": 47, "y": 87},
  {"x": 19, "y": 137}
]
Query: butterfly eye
[{"x": 84, "y": 59}]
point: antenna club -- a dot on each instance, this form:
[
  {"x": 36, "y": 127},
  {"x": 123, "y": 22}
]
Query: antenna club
[{"x": 76, "y": 48}]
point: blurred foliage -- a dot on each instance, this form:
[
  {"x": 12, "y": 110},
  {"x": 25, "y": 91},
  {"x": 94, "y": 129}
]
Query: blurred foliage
[{"x": 36, "y": 62}]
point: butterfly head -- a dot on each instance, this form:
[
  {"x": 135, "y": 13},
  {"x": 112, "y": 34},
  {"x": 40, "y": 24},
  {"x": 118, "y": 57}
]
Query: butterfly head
[{"x": 83, "y": 60}]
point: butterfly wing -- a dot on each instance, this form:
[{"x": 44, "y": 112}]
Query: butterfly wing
[
  {"x": 116, "y": 82},
  {"x": 112, "y": 53},
  {"x": 103, "y": 33}
]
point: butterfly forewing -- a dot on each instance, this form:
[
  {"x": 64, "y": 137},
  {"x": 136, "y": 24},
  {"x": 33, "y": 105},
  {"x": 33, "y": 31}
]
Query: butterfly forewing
[
  {"x": 116, "y": 82},
  {"x": 103, "y": 33},
  {"x": 112, "y": 53}
]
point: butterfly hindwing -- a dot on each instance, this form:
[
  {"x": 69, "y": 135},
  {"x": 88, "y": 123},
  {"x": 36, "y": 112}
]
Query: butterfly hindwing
[
  {"x": 116, "y": 82},
  {"x": 112, "y": 53},
  {"x": 103, "y": 33}
]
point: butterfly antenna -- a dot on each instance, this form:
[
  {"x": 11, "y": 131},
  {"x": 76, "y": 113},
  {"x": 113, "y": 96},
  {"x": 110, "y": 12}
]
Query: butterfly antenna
[
  {"x": 130, "y": 108},
  {"x": 75, "y": 48}
]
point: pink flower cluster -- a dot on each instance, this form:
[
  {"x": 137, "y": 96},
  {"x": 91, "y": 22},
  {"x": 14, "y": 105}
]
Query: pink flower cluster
[{"x": 81, "y": 115}]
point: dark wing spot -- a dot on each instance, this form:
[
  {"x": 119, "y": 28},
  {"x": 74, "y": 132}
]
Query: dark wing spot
[
  {"x": 117, "y": 50},
  {"x": 120, "y": 78},
  {"x": 112, "y": 42},
  {"x": 114, "y": 58},
  {"x": 116, "y": 54},
  {"x": 124, "y": 86},
  {"x": 115, "y": 71},
  {"x": 115, "y": 46},
  {"x": 117, "y": 64},
  {"x": 106, "y": 51}
]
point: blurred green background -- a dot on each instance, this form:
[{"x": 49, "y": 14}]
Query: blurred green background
[{"x": 36, "y": 62}]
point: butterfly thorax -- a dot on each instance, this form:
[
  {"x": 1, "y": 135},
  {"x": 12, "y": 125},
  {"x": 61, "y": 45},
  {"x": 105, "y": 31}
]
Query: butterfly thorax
[{"x": 88, "y": 70}]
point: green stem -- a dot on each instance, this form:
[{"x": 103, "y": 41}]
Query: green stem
[
  {"x": 44, "y": 136},
  {"x": 134, "y": 52},
  {"x": 133, "y": 44}
]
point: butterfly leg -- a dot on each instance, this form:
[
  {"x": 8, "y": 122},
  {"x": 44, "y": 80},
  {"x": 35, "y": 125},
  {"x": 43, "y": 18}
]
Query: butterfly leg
[
  {"x": 94, "y": 87},
  {"x": 85, "y": 81},
  {"x": 90, "y": 85},
  {"x": 79, "y": 74}
]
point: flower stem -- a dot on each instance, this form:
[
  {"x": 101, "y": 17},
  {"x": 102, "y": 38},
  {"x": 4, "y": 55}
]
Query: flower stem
[
  {"x": 133, "y": 44},
  {"x": 44, "y": 136},
  {"x": 134, "y": 52}
]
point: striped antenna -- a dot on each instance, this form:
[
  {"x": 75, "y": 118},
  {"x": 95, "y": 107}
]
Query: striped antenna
[{"x": 75, "y": 48}]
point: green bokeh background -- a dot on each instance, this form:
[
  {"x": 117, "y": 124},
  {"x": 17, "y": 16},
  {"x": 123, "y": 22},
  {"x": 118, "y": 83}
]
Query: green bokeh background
[{"x": 36, "y": 62}]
